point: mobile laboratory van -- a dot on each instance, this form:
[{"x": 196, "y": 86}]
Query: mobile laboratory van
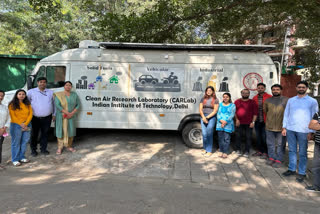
[{"x": 153, "y": 86}]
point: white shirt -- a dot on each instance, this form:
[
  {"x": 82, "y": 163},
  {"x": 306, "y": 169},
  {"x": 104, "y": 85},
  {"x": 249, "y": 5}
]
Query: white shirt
[
  {"x": 4, "y": 116},
  {"x": 41, "y": 101}
]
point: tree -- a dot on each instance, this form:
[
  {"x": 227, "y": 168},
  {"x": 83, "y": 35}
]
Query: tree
[{"x": 62, "y": 24}]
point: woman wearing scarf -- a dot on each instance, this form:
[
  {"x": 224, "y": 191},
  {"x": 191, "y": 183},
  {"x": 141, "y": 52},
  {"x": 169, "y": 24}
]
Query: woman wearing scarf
[{"x": 67, "y": 105}]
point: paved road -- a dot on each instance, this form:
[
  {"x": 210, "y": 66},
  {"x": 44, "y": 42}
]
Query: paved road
[{"x": 119, "y": 171}]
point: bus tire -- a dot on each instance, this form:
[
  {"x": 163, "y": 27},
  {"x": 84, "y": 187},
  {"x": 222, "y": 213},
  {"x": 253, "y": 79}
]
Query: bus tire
[{"x": 192, "y": 134}]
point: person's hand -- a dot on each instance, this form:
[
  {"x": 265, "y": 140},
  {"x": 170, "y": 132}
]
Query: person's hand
[
  {"x": 237, "y": 123},
  {"x": 284, "y": 132},
  {"x": 53, "y": 118},
  {"x": 223, "y": 122},
  {"x": 310, "y": 136},
  {"x": 23, "y": 126},
  {"x": 251, "y": 125},
  {"x": 204, "y": 119},
  {"x": 2, "y": 131}
]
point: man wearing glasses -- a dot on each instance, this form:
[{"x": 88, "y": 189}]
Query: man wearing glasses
[
  {"x": 42, "y": 104},
  {"x": 297, "y": 116}
]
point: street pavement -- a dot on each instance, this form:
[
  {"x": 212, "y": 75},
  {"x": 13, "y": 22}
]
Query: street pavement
[{"x": 141, "y": 171}]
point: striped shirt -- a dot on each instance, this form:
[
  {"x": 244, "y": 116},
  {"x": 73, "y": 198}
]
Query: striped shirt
[{"x": 317, "y": 136}]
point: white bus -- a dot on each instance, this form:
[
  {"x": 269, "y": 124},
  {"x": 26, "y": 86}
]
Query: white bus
[{"x": 153, "y": 86}]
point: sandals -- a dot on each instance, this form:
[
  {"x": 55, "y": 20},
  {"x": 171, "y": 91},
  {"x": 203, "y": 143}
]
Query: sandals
[
  {"x": 59, "y": 151},
  {"x": 71, "y": 149}
]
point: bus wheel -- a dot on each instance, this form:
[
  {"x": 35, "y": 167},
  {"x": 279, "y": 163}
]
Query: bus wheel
[{"x": 192, "y": 135}]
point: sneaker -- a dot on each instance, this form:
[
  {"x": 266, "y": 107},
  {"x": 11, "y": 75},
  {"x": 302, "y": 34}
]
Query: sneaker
[
  {"x": 257, "y": 154},
  {"x": 312, "y": 189},
  {"x": 24, "y": 161},
  {"x": 270, "y": 161},
  {"x": 238, "y": 152},
  {"x": 300, "y": 178},
  {"x": 277, "y": 164},
  {"x": 288, "y": 173},
  {"x": 45, "y": 152},
  {"x": 16, "y": 163},
  {"x": 34, "y": 153},
  {"x": 246, "y": 155}
]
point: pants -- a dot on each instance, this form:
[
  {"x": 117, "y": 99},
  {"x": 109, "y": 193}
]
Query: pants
[
  {"x": 243, "y": 128},
  {"x": 316, "y": 166},
  {"x": 261, "y": 137},
  {"x": 294, "y": 139},
  {"x": 224, "y": 141},
  {"x": 19, "y": 140},
  {"x": 275, "y": 145},
  {"x": 207, "y": 133},
  {"x": 62, "y": 144},
  {"x": 40, "y": 124},
  {"x": 1, "y": 141}
]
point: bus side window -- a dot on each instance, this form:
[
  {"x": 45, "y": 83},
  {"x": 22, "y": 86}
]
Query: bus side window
[
  {"x": 41, "y": 73},
  {"x": 56, "y": 76}
]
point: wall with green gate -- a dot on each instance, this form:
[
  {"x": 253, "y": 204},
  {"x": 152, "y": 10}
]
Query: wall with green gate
[{"x": 14, "y": 70}]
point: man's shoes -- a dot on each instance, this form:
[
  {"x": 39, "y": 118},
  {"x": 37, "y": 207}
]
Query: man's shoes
[
  {"x": 300, "y": 178},
  {"x": 46, "y": 152},
  {"x": 277, "y": 164},
  {"x": 16, "y": 163},
  {"x": 24, "y": 160},
  {"x": 238, "y": 152},
  {"x": 312, "y": 189},
  {"x": 257, "y": 154},
  {"x": 288, "y": 173},
  {"x": 246, "y": 155},
  {"x": 270, "y": 161},
  {"x": 34, "y": 153}
]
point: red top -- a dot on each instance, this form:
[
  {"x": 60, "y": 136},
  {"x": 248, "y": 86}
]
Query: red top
[
  {"x": 264, "y": 97},
  {"x": 245, "y": 110}
]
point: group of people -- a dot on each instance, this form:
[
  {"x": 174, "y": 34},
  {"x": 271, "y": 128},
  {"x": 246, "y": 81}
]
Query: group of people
[
  {"x": 276, "y": 120},
  {"x": 30, "y": 114}
]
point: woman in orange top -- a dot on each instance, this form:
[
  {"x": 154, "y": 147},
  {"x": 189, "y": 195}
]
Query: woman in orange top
[{"x": 21, "y": 114}]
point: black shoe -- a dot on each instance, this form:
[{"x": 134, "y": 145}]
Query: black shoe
[
  {"x": 34, "y": 153},
  {"x": 312, "y": 189},
  {"x": 288, "y": 173},
  {"x": 300, "y": 178},
  {"x": 45, "y": 152}
]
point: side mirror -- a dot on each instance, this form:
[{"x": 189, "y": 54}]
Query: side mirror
[{"x": 30, "y": 81}]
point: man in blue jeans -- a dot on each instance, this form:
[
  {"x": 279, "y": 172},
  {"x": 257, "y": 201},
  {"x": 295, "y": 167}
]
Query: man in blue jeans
[{"x": 297, "y": 116}]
